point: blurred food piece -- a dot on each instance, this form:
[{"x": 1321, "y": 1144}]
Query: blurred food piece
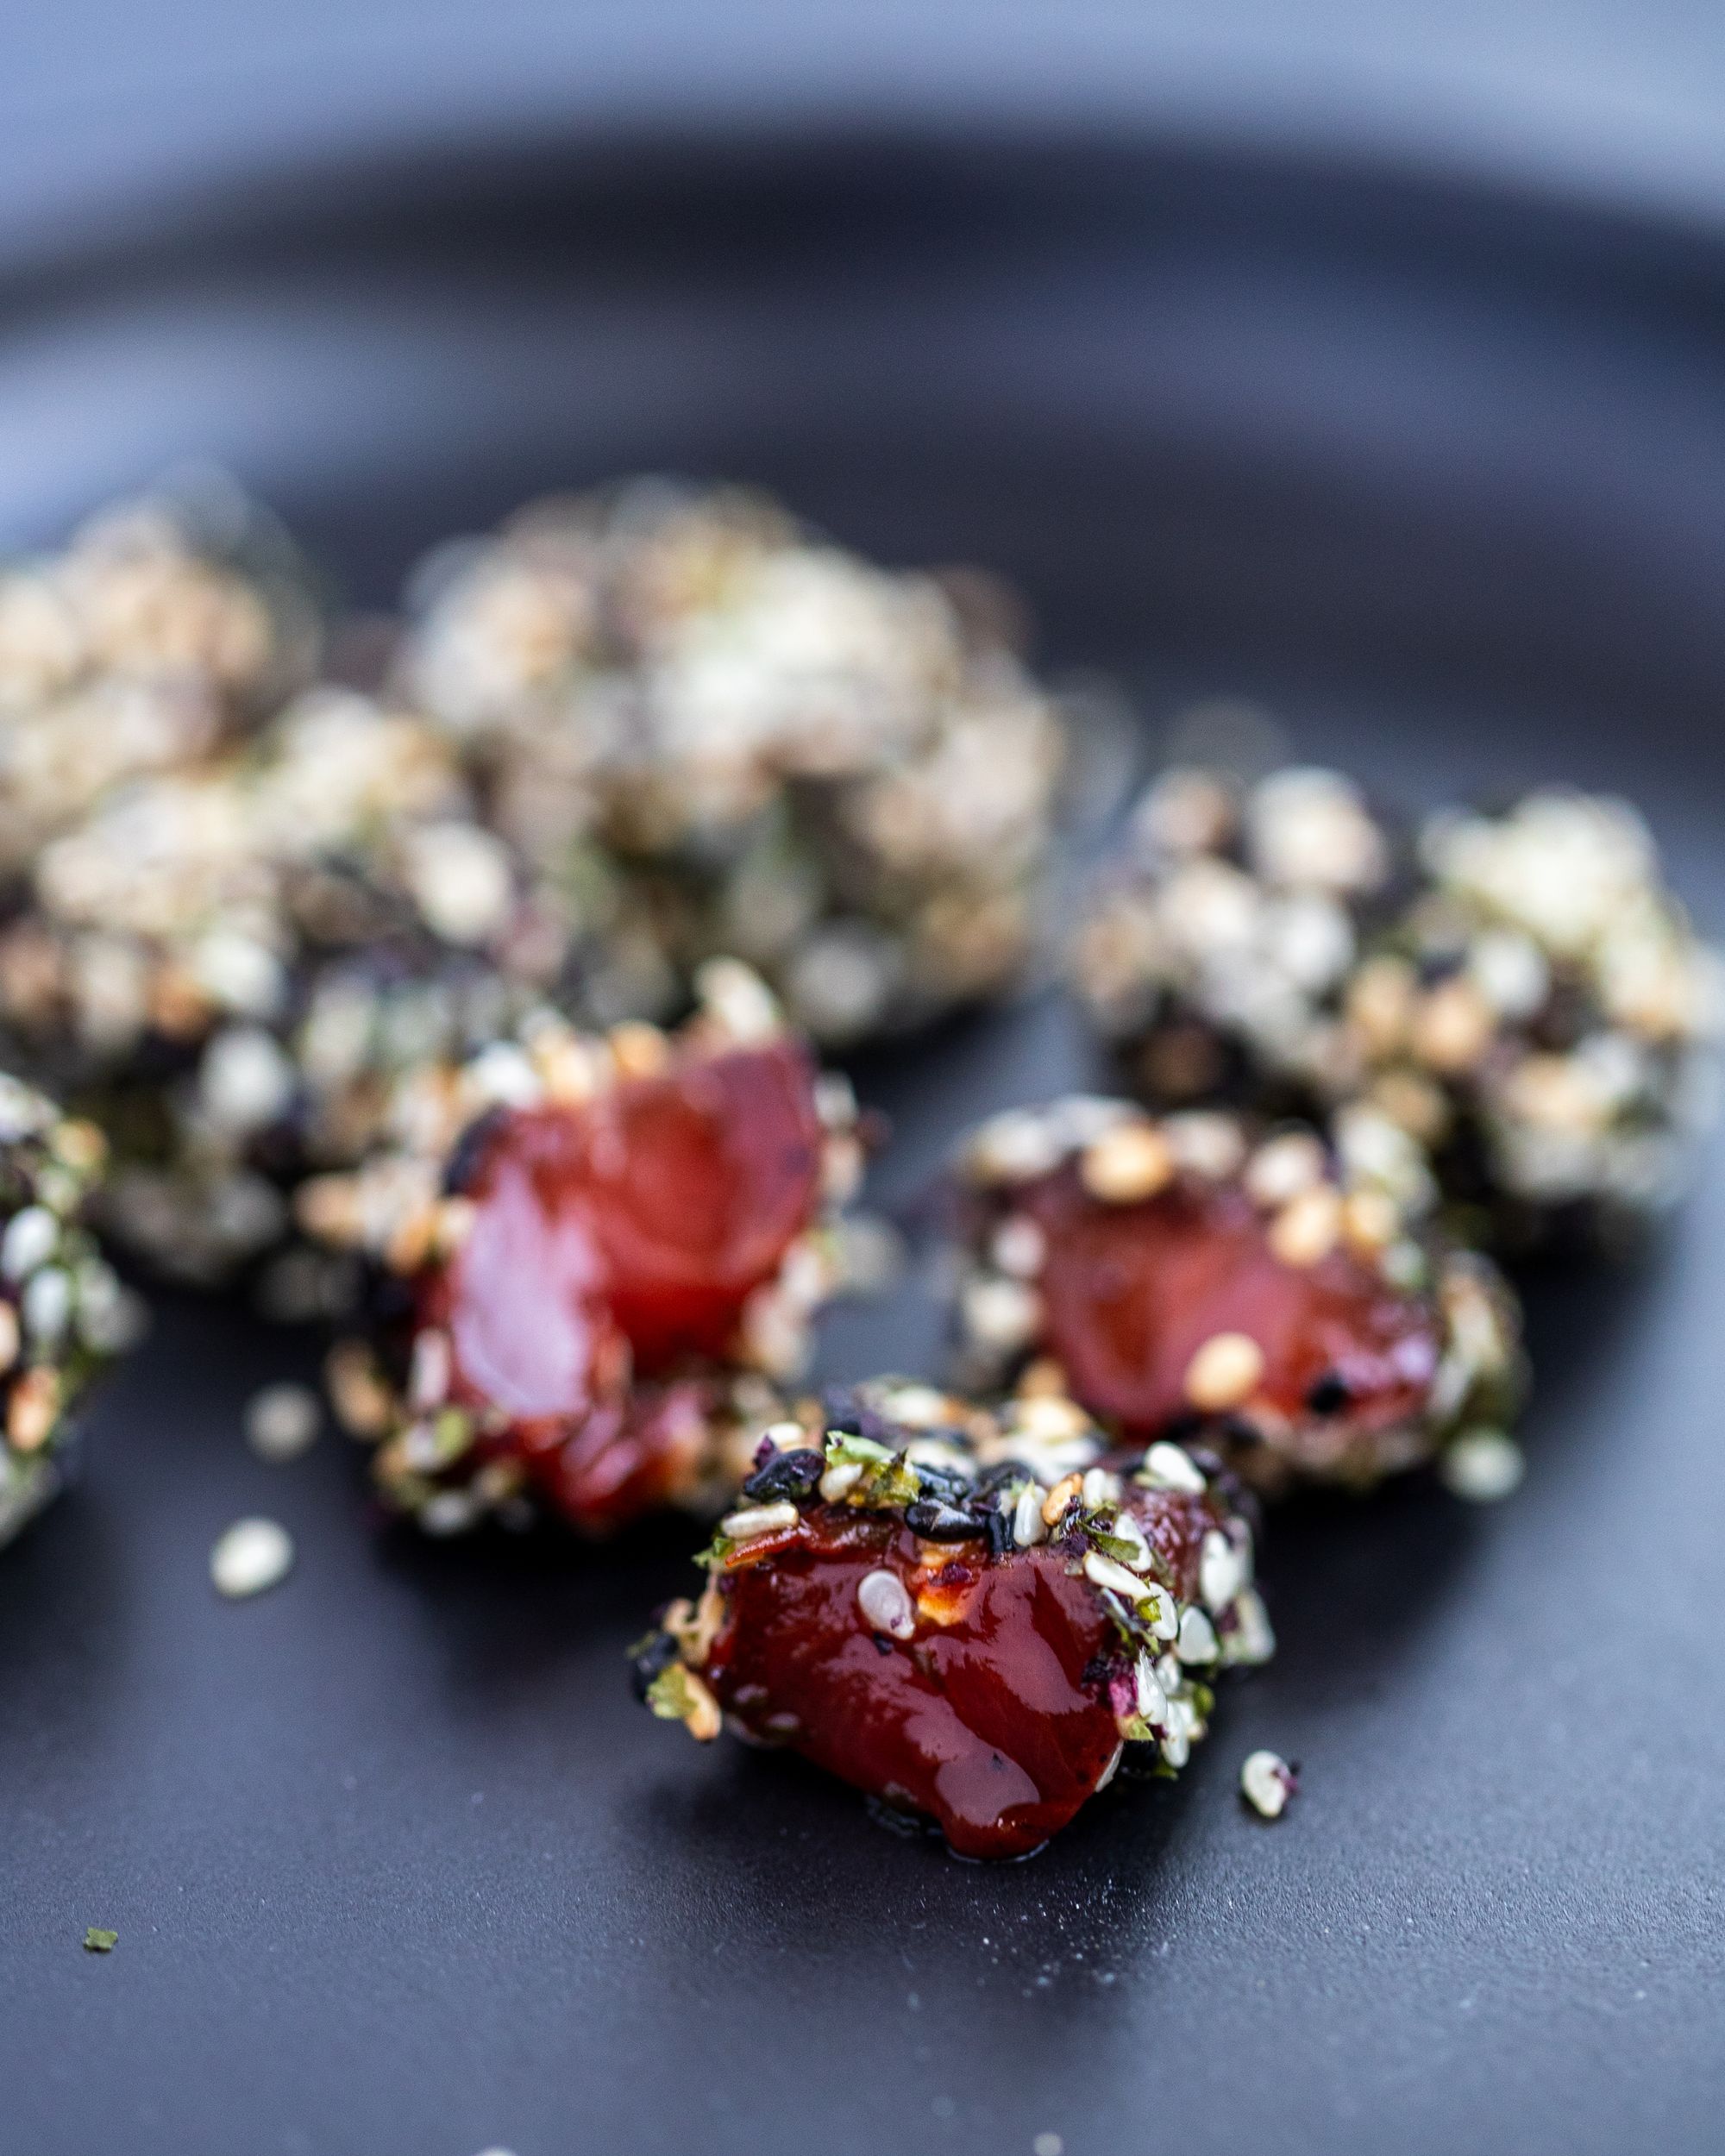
[
  {"x": 742, "y": 738},
  {"x": 1520, "y": 992}
]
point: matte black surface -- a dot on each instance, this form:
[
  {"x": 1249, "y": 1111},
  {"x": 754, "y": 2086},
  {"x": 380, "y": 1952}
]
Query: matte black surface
[{"x": 398, "y": 1867}]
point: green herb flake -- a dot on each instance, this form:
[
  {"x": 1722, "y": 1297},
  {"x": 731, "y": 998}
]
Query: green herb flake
[
  {"x": 668, "y": 1694},
  {"x": 97, "y": 1941},
  {"x": 712, "y": 1559},
  {"x": 843, "y": 1449}
]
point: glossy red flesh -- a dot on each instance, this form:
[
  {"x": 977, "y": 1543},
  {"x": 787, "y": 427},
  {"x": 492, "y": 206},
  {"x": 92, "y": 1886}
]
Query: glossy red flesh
[
  {"x": 995, "y": 1723},
  {"x": 611, "y": 1251},
  {"x": 1131, "y": 1293}
]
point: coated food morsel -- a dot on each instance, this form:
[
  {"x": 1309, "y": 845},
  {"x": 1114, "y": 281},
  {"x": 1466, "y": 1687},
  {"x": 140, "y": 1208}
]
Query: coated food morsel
[
  {"x": 163, "y": 627},
  {"x": 230, "y": 967},
  {"x": 742, "y": 738},
  {"x": 608, "y": 1248},
  {"x": 1521, "y": 993},
  {"x": 975, "y": 1617},
  {"x": 63, "y": 1313},
  {"x": 1280, "y": 1294}
]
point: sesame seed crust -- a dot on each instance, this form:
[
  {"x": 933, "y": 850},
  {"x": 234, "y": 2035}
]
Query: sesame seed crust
[
  {"x": 769, "y": 746},
  {"x": 1284, "y": 1293},
  {"x": 874, "y": 1615},
  {"x": 63, "y": 1313},
  {"x": 1518, "y": 992}
]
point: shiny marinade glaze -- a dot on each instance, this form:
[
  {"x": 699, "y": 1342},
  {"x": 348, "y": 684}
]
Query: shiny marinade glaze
[
  {"x": 63, "y": 1313},
  {"x": 766, "y": 745},
  {"x": 592, "y": 1258},
  {"x": 1521, "y": 993},
  {"x": 975, "y": 1617},
  {"x": 1279, "y": 1291}
]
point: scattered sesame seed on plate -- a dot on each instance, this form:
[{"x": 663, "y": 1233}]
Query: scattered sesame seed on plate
[
  {"x": 281, "y": 1422},
  {"x": 1267, "y": 1782},
  {"x": 1483, "y": 1466},
  {"x": 252, "y": 1557}
]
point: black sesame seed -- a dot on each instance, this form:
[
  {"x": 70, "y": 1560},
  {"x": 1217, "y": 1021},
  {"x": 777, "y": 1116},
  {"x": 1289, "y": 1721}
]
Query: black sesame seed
[
  {"x": 469, "y": 1156},
  {"x": 786, "y": 1474},
  {"x": 1329, "y": 1394},
  {"x": 656, "y": 1656},
  {"x": 935, "y": 1522}
]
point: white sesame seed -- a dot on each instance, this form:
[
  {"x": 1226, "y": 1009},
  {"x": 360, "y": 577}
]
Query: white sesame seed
[
  {"x": 1266, "y": 1782},
  {"x": 1197, "y": 1640},
  {"x": 1224, "y": 1372},
  {"x": 46, "y": 1303},
  {"x": 1124, "y": 1528},
  {"x": 245, "y": 1079},
  {"x": 433, "y": 1364},
  {"x": 1168, "y": 1467},
  {"x": 1250, "y": 1641},
  {"x": 449, "y": 1511},
  {"x": 1151, "y": 1700},
  {"x": 1028, "y": 1525},
  {"x": 750, "y": 1522},
  {"x": 1018, "y": 1247},
  {"x": 885, "y": 1604},
  {"x": 839, "y": 1481},
  {"x": 253, "y": 1555},
  {"x": 1483, "y": 1466},
  {"x": 1208, "y": 1143},
  {"x": 1222, "y": 1571},
  {"x": 1001, "y": 1314},
  {"x": 738, "y": 999},
  {"x": 1176, "y": 1742},
  {"x": 1014, "y": 1147},
  {"x": 786, "y": 1437},
  {"x": 1100, "y": 1487},
  {"x": 29, "y": 1240},
  {"x": 1105, "y": 1572},
  {"x": 281, "y": 1422},
  {"x": 1283, "y": 1167}
]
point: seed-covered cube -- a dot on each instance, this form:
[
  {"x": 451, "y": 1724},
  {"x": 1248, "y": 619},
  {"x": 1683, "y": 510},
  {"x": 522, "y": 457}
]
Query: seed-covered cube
[
  {"x": 1281, "y": 1293},
  {"x": 596, "y": 1255},
  {"x": 63, "y": 1313},
  {"x": 975, "y": 1617}
]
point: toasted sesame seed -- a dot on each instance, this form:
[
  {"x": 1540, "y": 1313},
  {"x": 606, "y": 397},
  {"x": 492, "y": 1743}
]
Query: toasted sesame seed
[
  {"x": 885, "y": 1602},
  {"x": 281, "y": 1422},
  {"x": 638, "y": 1050},
  {"x": 1308, "y": 1227},
  {"x": 1371, "y": 1220},
  {"x": 1127, "y": 1165},
  {"x": 750, "y": 1522},
  {"x": 1483, "y": 1466},
  {"x": 9, "y": 1336},
  {"x": 1266, "y": 1782},
  {"x": 1043, "y": 1379},
  {"x": 253, "y": 1555},
  {"x": 1453, "y": 1026},
  {"x": 1224, "y": 1373},
  {"x": 1064, "y": 1491}
]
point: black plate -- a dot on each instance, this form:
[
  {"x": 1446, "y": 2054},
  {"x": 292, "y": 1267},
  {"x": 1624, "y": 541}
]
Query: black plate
[{"x": 398, "y": 1867}]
